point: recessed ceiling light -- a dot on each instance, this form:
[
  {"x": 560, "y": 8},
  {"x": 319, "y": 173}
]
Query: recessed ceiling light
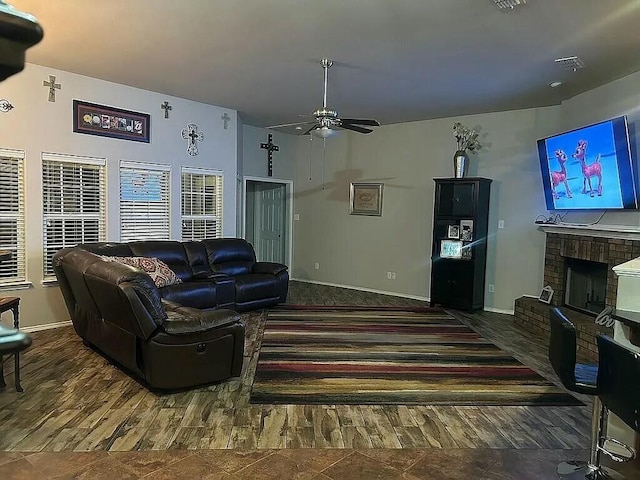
[
  {"x": 555, "y": 84},
  {"x": 298, "y": 127}
]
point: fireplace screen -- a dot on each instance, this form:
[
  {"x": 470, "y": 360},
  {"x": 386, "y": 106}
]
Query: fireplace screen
[{"x": 586, "y": 285}]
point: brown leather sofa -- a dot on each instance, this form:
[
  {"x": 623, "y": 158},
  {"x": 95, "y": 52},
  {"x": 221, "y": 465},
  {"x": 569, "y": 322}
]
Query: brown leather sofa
[{"x": 175, "y": 336}]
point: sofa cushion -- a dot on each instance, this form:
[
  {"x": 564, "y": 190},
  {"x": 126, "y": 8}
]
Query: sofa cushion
[
  {"x": 170, "y": 252},
  {"x": 159, "y": 271}
]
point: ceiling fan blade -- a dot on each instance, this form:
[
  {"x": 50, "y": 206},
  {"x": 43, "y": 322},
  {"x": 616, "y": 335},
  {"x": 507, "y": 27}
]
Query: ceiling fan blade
[
  {"x": 290, "y": 124},
  {"x": 311, "y": 129},
  {"x": 361, "y": 121},
  {"x": 355, "y": 128}
]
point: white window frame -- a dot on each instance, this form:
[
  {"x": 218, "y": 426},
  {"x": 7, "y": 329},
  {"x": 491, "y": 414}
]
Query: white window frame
[
  {"x": 14, "y": 270},
  {"x": 71, "y": 235},
  {"x": 144, "y": 218},
  {"x": 188, "y": 216}
]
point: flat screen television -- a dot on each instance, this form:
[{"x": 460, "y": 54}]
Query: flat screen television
[{"x": 589, "y": 168}]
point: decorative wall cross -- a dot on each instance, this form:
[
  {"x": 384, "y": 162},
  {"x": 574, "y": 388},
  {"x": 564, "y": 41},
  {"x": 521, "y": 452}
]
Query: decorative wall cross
[
  {"x": 52, "y": 87},
  {"x": 5, "y": 105},
  {"x": 225, "y": 119},
  {"x": 191, "y": 134},
  {"x": 270, "y": 147},
  {"x": 166, "y": 107}
]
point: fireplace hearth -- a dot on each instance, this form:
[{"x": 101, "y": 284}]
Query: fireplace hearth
[{"x": 584, "y": 263}]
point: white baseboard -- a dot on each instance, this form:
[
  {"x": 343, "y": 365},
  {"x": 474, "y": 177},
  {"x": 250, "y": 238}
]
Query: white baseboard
[
  {"x": 395, "y": 294},
  {"x": 46, "y": 326},
  {"x": 363, "y": 289},
  {"x": 499, "y": 310}
]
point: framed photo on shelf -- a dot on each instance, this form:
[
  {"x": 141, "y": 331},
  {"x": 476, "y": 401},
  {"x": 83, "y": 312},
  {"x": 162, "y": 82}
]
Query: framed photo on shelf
[
  {"x": 546, "y": 295},
  {"x": 104, "y": 121},
  {"x": 466, "y": 230},
  {"x": 366, "y": 199},
  {"x": 453, "y": 231},
  {"x": 450, "y": 249}
]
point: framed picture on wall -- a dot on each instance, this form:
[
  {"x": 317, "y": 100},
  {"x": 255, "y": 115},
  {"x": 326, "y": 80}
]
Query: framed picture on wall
[
  {"x": 366, "y": 199},
  {"x": 105, "y": 121}
]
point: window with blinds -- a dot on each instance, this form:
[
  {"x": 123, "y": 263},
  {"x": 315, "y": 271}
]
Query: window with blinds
[
  {"x": 74, "y": 205},
  {"x": 201, "y": 204},
  {"x": 144, "y": 201},
  {"x": 12, "y": 234}
]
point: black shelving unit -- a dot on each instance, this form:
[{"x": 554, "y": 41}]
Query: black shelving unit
[{"x": 459, "y": 249}]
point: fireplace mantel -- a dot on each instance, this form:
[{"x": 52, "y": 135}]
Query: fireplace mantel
[{"x": 624, "y": 232}]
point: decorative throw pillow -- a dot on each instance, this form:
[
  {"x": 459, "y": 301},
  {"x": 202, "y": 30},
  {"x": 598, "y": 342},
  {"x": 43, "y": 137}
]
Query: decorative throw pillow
[{"x": 159, "y": 271}]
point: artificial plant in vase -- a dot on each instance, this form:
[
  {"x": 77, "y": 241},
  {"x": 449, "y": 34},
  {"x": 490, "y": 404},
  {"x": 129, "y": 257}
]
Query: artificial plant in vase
[{"x": 466, "y": 142}]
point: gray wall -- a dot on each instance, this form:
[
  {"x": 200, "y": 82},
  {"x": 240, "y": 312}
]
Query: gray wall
[
  {"x": 358, "y": 251},
  {"x": 36, "y": 125}
]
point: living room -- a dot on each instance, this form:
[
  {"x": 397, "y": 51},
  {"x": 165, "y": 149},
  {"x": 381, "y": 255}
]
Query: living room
[
  {"x": 405, "y": 157},
  {"x": 349, "y": 251}
]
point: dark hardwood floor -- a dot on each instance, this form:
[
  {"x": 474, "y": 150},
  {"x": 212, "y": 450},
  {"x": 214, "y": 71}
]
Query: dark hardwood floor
[{"x": 82, "y": 417}]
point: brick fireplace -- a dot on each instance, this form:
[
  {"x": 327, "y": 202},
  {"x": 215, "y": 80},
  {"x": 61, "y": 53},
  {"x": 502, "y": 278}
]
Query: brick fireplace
[{"x": 607, "y": 245}]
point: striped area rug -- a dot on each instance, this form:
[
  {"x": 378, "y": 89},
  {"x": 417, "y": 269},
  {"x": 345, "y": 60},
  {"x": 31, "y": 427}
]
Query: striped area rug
[{"x": 389, "y": 356}]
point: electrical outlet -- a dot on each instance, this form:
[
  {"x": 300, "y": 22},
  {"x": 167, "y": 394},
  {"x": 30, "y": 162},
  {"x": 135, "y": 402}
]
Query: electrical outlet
[
  {"x": 492, "y": 288},
  {"x": 500, "y": 223},
  {"x": 393, "y": 275},
  {"x": 316, "y": 266},
  {"x": 296, "y": 217},
  {"x": 389, "y": 275}
]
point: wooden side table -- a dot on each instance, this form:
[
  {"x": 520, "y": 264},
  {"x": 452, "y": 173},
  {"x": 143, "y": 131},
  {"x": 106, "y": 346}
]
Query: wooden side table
[{"x": 6, "y": 304}]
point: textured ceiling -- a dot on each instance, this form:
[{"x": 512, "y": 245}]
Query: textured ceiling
[{"x": 395, "y": 60}]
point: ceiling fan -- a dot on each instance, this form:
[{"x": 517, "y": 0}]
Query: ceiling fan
[{"x": 326, "y": 120}]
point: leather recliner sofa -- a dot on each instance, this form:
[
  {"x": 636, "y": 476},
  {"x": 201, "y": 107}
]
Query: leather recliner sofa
[{"x": 174, "y": 336}]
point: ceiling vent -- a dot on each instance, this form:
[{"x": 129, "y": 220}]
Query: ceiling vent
[
  {"x": 508, "y": 4},
  {"x": 570, "y": 63}
]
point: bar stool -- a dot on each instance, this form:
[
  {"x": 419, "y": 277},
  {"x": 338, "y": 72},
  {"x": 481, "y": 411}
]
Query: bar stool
[
  {"x": 619, "y": 389},
  {"x": 6, "y": 304}
]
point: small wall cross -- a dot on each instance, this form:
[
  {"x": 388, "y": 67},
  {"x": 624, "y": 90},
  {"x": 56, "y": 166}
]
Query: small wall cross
[
  {"x": 52, "y": 87},
  {"x": 270, "y": 147},
  {"x": 225, "y": 119},
  {"x": 191, "y": 133},
  {"x": 166, "y": 107}
]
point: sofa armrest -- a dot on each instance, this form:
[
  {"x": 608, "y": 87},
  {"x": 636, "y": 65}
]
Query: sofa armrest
[
  {"x": 186, "y": 320},
  {"x": 268, "y": 267}
]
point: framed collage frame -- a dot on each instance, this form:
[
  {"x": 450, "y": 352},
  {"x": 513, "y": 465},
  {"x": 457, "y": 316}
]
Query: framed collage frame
[{"x": 104, "y": 121}]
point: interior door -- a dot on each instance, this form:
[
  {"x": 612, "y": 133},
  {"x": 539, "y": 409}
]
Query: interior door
[{"x": 269, "y": 222}]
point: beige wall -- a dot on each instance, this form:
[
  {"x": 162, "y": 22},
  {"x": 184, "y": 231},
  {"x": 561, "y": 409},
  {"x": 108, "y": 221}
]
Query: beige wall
[
  {"x": 359, "y": 251},
  {"x": 351, "y": 250},
  {"x": 36, "y": 125}
]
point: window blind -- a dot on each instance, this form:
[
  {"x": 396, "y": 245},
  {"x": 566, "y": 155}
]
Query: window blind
[
  {"x": 144, "y": 201},
  {"x": 74, "y": 203},
  {"x": 12, "y": 230},
  {"x": 201, "y": 204}
]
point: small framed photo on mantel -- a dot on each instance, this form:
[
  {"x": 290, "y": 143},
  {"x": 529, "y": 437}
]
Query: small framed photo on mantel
[{"x": 546, "y": 295}]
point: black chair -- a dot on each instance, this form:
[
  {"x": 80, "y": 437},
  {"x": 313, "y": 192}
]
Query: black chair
[
  {"x": 580, "y": 378},
  {"x": 619, "y": 387}
]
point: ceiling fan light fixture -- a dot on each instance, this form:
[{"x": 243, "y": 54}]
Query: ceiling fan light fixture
[{"x": 324, "y": 132}]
